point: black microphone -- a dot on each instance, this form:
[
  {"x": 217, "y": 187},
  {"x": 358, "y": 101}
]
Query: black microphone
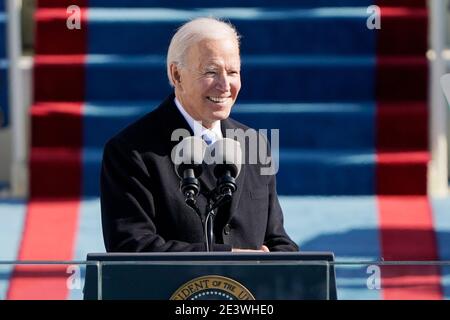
[
  {"x": 228, "y": 156},
  {"x": 188, "y": 159}
]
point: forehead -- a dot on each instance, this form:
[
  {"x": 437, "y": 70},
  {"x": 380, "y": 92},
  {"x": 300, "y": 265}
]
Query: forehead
[{"x": 214, "y": 52}]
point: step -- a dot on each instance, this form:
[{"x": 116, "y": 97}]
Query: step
[
  {"x": 399, "y": 29},
  {"x": 4, "y": 187},
  {"x": 3, "y": 43},
  {"x": 332, "y": 31},
  {"x": 402, "y": 173},
  {"x": 55, "y": 172},
  {"x": 394, "y": 127},
  {"x": 400, "y": 78},
  {"x": 402, "y": 126},
  {"x": 308, "y": 172},
  {"x": 60, "y": 78},
  {"x": 399, "y": 126},
  {"x": 312, "y": 126},
  {"x": 346, "y": 173},
  {"x": 61, "y": 172},
  {"x": 199, "y": 3},
  {"x": 323, "y": 78},
  {"x": 388, "y": 126},
  {"x": 57, "y": 124},
  {"x": 229, "y": 3}
]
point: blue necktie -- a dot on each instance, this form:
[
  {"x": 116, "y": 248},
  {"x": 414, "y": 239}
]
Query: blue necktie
[{"x": 207, "y": 138}]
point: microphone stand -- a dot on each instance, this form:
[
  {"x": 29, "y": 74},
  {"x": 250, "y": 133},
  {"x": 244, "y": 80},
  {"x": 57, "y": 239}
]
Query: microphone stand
[
  {"x": 218, "y": 197},
  {"x": 209, "y": 226},
  {"x": 214, "y": 202}
]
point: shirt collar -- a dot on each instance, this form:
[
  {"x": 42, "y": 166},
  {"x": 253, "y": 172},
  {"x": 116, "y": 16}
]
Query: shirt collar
[{"x": 215, "y": 132}]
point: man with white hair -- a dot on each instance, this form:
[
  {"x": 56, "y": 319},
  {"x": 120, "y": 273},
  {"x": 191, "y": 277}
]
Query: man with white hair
[{"x": 142, "y": 207}]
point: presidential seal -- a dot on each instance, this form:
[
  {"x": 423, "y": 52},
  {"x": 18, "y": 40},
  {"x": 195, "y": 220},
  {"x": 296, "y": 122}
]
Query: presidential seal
[{"x": 212, "y": 288}]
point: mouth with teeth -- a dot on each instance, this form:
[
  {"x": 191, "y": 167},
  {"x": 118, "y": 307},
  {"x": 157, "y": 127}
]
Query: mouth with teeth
[{"x": 218, "y": 100}]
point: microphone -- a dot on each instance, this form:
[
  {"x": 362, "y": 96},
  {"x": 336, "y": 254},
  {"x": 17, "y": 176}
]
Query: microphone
[
  {"x": 228, "y": 159},
  {"x": 188, "y": 159}
]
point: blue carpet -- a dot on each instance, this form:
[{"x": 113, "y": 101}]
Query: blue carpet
[
  {"x": 335, "y": 30},
  {"x": 3, "y": 38},
  {"x": 301, "y": 172},
  {"x": 225, "y": 3},
  {"x": 147, "y": 78},
  {"x": 334, "y": 126},
  {"x": 347, "y": 226}
]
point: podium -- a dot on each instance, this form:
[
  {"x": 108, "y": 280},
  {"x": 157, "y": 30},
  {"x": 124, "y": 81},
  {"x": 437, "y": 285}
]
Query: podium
[{"x": 211, "y": 276}]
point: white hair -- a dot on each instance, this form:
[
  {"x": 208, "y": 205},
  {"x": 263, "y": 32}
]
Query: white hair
[{"x": 193, "y": 32}]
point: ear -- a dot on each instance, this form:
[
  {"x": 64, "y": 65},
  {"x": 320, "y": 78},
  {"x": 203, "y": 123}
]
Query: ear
[{"x": 175, "y": 75}]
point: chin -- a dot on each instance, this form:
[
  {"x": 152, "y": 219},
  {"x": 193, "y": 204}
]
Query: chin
[{"x": 221, "y": 115}]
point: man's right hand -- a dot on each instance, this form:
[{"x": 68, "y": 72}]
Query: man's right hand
[{"x": 262, "y": 249}]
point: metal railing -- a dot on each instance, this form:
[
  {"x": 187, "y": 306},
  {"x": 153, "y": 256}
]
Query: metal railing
[{"x": 355, "y": 280}]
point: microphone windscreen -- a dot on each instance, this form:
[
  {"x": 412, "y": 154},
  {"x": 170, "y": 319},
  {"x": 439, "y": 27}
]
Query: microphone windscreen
[
  {"x": 189, "y": 154},
  {"x": 226, "y": 154}
]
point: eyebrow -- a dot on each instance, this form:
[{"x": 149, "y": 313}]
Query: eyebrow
[
  {"x": 214, "y": 66},
  {"x": 211, "y": 66}
]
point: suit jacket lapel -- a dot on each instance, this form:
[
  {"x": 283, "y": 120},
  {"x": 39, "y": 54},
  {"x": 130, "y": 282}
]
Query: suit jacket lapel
[
  {"x": 177, "y": 121},
  {"x": 174, "y": 120}
]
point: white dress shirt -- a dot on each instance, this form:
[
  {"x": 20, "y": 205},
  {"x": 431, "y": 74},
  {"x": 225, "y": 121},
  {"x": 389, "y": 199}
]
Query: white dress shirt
[{"x": 213, "y": 134}]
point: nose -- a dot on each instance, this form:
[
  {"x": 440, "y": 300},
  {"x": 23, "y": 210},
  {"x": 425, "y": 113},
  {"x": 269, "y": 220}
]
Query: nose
[{"x": 223, "y": 83}]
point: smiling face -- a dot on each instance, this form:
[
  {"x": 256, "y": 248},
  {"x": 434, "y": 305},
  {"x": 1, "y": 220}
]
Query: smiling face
[{"x": 209, "y": 82}]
